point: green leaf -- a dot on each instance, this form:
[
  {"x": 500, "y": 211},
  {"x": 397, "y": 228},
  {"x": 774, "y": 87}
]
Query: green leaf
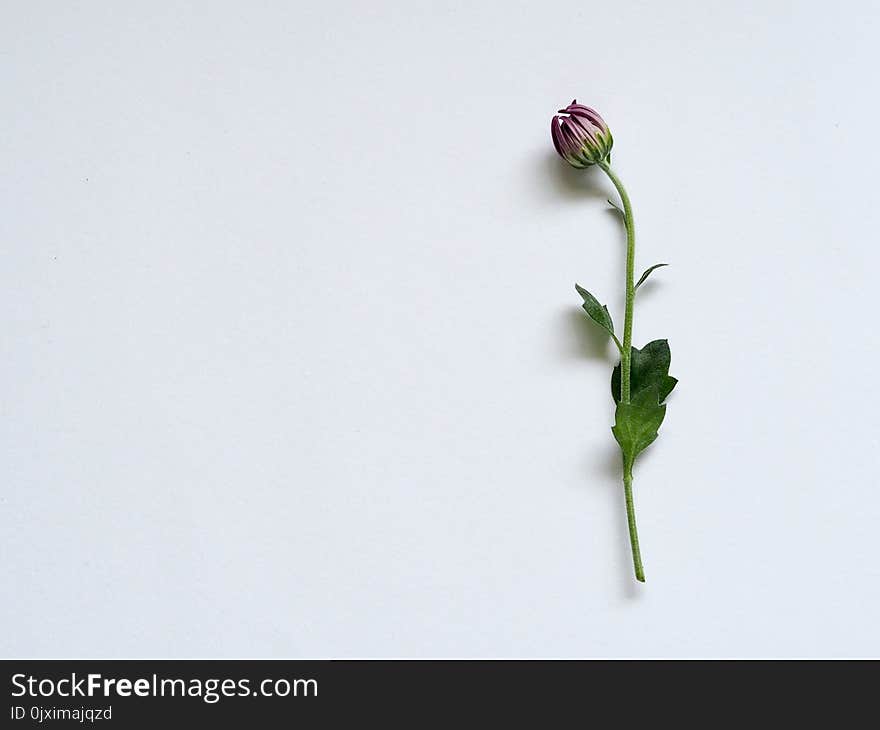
[
  {"x": 649, "y": 367},
  {"x": 647, "y": 274},
  {"x": 616, "y": 207},
  {"x": 636, "y": 423},
  {"x": 598, "y": 312}
]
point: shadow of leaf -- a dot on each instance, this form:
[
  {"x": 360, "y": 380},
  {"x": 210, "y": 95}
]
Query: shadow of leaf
[{"x": 589, "y": 340}]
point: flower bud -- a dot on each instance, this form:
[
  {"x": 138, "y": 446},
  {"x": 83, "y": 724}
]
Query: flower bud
[{"x": 580, "y": 135}]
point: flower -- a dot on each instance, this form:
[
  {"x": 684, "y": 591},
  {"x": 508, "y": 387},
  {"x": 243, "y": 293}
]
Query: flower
[{"x": 580, "y": 135}]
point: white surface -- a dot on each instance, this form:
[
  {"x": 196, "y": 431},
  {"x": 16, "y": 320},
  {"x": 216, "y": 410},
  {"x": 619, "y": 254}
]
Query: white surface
[{"x": 292, "y": 363}]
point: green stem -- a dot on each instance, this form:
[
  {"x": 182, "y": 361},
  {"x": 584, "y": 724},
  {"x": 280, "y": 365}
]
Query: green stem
[
  {"x": 631, "y": 521},
  {"x": 630, "y": 286},
  {"x": 626, "y": 359}
]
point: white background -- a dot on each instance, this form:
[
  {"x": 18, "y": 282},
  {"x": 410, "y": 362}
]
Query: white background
[{"x": 291, "y": 361}]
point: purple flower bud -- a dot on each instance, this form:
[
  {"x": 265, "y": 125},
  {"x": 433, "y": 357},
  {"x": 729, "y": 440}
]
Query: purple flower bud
[{"x": 580, "y": 135}]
